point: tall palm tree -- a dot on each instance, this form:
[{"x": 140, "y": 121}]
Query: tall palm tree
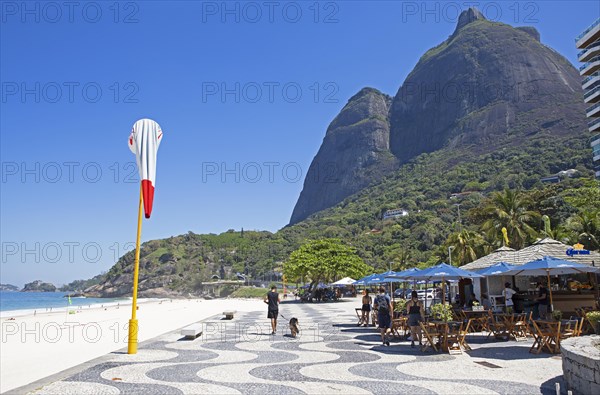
[
  {"x": 587, "y": 226},
  {"x": 466, "y": 246},
  {"x": 511, "y": 210}
]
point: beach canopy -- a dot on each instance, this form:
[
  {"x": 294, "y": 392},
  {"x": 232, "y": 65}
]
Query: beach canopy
[
  {"x": 443, "y": 271},
  {"x": 499, "y": 269},
  {"x": 538, "y": 250},
  {"x": 402, "y": 275},
  {"x": 380, "y": 278},
  {"x": 343, "y": 282},
  {"x": 550, "y": 265},
  {"x": 363, "y": 281}
]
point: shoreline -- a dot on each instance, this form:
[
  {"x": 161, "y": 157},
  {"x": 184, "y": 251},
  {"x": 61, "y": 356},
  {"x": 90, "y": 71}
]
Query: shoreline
[
  {"x": 37, "y": 346},
  {"x": 63, "y": 309}
]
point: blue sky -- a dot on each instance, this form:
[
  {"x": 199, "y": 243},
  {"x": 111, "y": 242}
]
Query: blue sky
[{"x": 244, "y": 92}]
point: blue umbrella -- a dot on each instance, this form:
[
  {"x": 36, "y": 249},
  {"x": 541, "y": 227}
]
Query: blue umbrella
[
  {"x": 442, "y": 272},
  {"x": 549, "y": 264},
  {"x": 380, "y": 278},
  {"x": 402, "y": 275},
  {"x": 364, "y": 280},
  {"x": 499, "y": 269}
]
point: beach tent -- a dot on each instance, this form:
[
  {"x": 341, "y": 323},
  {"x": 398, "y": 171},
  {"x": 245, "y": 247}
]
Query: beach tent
[
  {"x": 343, "y": 282},
  {"x": 549, "y": 265}
]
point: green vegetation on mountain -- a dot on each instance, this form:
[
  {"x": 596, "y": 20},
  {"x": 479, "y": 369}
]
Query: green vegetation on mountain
[
  {"x": 463, "y": 163},
  {"x": 80, "y": 285}
]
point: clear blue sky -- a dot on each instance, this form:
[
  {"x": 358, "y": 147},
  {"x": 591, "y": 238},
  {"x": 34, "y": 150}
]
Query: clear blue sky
[{"x": 74, "y": 80}]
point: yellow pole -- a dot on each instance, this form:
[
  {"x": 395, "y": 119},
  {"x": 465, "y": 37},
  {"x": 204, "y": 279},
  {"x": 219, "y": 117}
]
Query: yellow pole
[{"x": 133, "y": 322}]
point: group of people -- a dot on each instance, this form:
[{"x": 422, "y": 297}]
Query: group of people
[
  {"x": 542, "y": 300},
  {"x": 416, "y": 311},
  {"x": 385, "y": 314}
]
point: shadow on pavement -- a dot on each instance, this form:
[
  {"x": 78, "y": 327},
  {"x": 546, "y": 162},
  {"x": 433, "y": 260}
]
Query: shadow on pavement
[{"x": 548, "y": 387}]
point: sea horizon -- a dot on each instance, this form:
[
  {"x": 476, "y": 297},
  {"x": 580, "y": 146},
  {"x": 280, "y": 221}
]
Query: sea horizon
[{"x": 14, "y": 303}]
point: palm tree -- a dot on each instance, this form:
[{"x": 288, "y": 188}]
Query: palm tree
[
  {"x": 467, "y": 245},
  {"x": 511, "y": 210},
  {"x": 560, "y": 233},
  {"x": 587, "y": 226}
]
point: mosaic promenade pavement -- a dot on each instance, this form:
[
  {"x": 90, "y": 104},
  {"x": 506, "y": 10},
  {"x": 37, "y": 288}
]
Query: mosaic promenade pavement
[{"x": 331, "y": 355}]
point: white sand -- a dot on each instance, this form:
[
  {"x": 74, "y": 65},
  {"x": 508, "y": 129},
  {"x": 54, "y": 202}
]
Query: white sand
[{"x": 34, "y": 347}]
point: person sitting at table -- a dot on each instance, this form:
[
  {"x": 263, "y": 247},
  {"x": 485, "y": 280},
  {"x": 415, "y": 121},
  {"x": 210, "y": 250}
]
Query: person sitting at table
[
  {"x": 473, "y": 301},
  {"x": 457, "y": 301},
  {"x": 416, "y": 314},
  {"x": 508, "y": 293},
  {"x": 485, "y": 302}
]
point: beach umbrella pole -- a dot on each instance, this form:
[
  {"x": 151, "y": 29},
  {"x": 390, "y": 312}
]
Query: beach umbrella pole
[
  {"x": 550, "y": 291},
  {"x": 443, "y": 291},
  {"x": 133, "y": 322}
]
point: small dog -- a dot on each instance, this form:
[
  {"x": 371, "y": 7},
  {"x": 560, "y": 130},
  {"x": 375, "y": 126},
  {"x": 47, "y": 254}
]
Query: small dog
[{"x": 294, "y": 327}]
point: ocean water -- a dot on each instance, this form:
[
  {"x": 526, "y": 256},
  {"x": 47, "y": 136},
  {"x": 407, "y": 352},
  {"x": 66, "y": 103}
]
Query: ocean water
[{"x": 28, "y": 302}]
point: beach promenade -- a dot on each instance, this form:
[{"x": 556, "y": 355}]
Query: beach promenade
[{"x": 332, "y": 355}]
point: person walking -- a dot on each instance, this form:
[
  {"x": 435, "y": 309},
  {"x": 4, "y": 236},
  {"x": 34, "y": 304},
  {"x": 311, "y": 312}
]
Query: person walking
[
  {"x": 508, "y": 293},
  {"x": 385, "y": 310},
  {"x": 272, "y": 300},
  {"x": 416, "y": 314},
  {"x": 366, "y": 308}
]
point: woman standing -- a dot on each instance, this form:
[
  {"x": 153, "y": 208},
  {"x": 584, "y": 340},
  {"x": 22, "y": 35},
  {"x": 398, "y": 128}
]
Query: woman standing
[
  {"x": 415, "y": 315},
  {"x": 366, "y": 308}
]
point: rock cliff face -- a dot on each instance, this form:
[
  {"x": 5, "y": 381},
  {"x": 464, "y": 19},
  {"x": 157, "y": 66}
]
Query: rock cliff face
[
  {"x": 354, "y": 153},
  {"x": 8, "y": 287},
  {"x": 487, "y": 86},
  {"x": 38, "y": 286}
]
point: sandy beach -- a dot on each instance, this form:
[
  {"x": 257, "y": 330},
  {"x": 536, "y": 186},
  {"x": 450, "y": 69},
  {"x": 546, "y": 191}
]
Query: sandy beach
[{"x": 34, "y": 347}]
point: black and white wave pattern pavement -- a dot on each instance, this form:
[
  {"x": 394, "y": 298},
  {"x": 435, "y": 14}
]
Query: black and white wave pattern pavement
[{"x": 331, "y": 355}]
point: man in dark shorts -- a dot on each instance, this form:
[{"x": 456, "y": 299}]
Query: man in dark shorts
[
  {"x": 272, "y": 299},
  {"x": 385, "y": 311},
  {"x": 542, "y": 301}
]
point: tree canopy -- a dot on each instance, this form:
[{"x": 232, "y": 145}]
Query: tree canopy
[{"x": 322, "y": 260}]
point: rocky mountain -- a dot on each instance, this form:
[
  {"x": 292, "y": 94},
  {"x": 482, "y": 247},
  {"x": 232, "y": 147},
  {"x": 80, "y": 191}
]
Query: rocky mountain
[
  {"x": 38, "y": 286},
  {"x": 182, "y": 265},
  {"x": 488, "y": 86},
  {"x": 516, "y": 115},
  {"x": 355, "y": 153},
  {"x": 8, "y": 287}
]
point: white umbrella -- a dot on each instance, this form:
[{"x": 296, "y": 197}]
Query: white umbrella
[{"x": 344, "y": 281}]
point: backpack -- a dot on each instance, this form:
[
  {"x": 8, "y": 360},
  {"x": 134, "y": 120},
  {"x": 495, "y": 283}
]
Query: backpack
[{"x": 382, "y": 303}]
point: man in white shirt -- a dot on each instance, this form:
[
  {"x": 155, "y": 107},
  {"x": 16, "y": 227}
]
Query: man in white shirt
[{"x": 508, "y": 293}]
